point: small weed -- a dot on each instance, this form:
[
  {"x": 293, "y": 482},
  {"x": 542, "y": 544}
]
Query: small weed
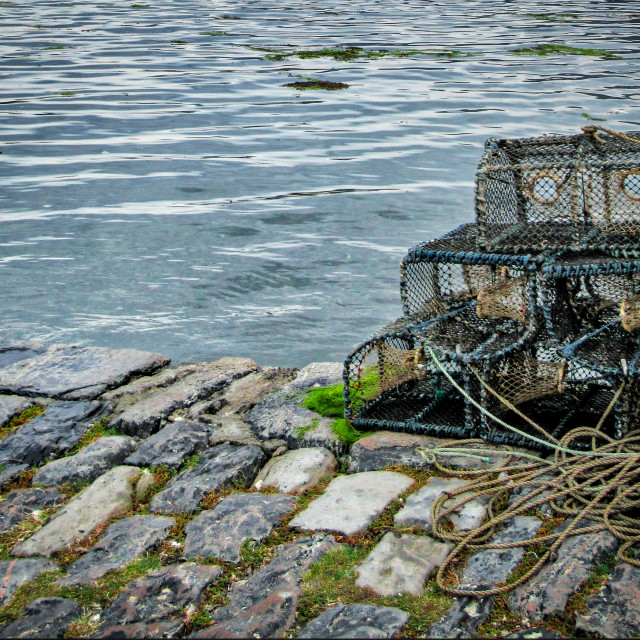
[
  {"x": 19, "y": 420},
  {"x": 586, "y": 116},
  {"x": 67, "y": 94},
  {"x": 313, "y": 84},
  {"x": 191, "y": 462},
  {"x": 554, "y": 17},
  {"x": 24, "y": 481},
  {"x": 55, "y": 46},
  {"x": 99, "y": 429},
  {"x": 564, "y": 50},
  {"x": 179, "y": 42},
  {"x": 140, "y": 6},
  {"x": 213, "y": 33},
  {"x": 301, "y": 431}
]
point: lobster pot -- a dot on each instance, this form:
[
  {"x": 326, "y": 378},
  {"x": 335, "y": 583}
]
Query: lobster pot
[
  {"x": 559, "y": 192},
  {"x": 448, "y": 274},
  {"x": 537, "y": 382},
  {"x": 391, "y": 384}
]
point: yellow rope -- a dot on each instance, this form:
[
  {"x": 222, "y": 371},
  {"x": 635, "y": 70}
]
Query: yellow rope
[{"x": 591, "y": 130}]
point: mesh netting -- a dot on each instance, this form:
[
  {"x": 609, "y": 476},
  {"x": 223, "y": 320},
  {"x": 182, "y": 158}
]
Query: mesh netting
[
  {"x": 557, "y": 192},
  {"x": 448, "y": 273}
]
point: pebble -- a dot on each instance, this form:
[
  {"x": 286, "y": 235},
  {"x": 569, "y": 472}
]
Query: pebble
[
  {"x": 296, "y": 470},
  {"x": 401, "y": 564},
  {"x": 356, "y": 621},
  {"x": 221, "y": 531},
  {"x": 350, "y": 503}
]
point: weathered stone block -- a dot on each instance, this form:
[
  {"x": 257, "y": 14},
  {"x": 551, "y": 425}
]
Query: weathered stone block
[
  {"x": 21, "y": 503},
  {"x": 43, "y": 618},
  {"x": 14, "y": 573}
]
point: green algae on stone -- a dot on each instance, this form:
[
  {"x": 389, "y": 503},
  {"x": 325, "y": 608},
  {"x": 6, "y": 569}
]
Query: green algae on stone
[
  {"x": 564, "y": 50},
  {"x": 349, "y": 54},
  {"x": 17, "y": 421},
  {"x": 313, "y": 84}
]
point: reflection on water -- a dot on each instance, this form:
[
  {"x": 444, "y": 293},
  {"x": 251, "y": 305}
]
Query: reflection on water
[{"x": 160, "y": 189}]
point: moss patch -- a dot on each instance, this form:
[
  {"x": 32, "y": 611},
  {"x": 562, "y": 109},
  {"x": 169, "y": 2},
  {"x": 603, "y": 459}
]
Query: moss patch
[
  {"x": 349, "y": 54},
  {"x": 564, "y": 50},
  {"x": 313, "y": 84},
  {"x": 99, "y": 429},
  {"x": 17, "y": 421}
]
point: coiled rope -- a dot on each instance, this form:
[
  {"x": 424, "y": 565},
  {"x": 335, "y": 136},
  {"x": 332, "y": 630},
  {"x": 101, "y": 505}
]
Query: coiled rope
[{"x": 601, "y": 485}]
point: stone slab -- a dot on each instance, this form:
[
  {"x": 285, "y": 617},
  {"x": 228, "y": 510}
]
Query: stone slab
[
  {"x": 171, "y": 445},
  {"x": 51, "y": 433},
  {"x": 121, "y": 543},
  {"x": 401, "y": 564},
  {"x": 14, "y": 573},
  {"x": 21, "y": 503},
  {"x": 161, "y": 594},
  {"x": 356, "y": 621},
  {"x": 11, "y": 406},
  {"x": 43, "y": 618},
  {"x": 11, "y": 474},
  {"x": 297, "y": 470},
  {"x": 144, "y": 417},
  {"x": 157, "y": 629},
  {"x": 264, "y": 605},
  {"x": 282, "y": 416},
  {"x": 13, "y": 351},
  {"x": 548, "y": 592},
  {"x": 383, "y": 448},
  {"x": 614, "y": 612},
  {"x": 463, "y": 618},
  {"x": 74, "y": 372},
  {"x": 350, "y": 503},
  {"x": 108, "y": 497},
  {"x": 417, "y": 508},
  {"x": 221, "y": 531},
  {"x": 219, "y": 467},
  {"x": 231, "y": 429},
  {"x": 89, "y": 463},
  {"x": 490, "y": 567}
]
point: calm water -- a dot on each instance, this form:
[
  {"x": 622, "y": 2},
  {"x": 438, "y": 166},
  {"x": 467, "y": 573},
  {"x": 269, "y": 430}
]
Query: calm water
[{"x": 173, "y": 196}]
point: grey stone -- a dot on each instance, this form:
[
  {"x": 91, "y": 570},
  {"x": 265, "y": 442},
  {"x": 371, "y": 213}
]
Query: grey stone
[
  {"x": 243, "y": 394},
  {"x": 401, "y": 564},
  {"x": 282, "y": 416},
  {"x": 11, "y": 474},
  {"x": 272, "y": 446},
  {"x": 14, "y": 573},
  {"x": 121, "y": 543},
  {"x": 89, "y": 463},
  {"x": 14, "y": 351},
  {"x": 534, "y": 634},
  {"x": 157, "y": 629},
  {"x": 160, "y": 594},
  {"x": 526, "y": 490},
  {"x": 144, "y": 483},
  {"x": 108, "y": 497},
  {"x": 43, "y": 618},
  {"x": 350, "y": 503},
  {"x": 21, "y": 503},
  {"x": 417, "y": 509},
  {"x": 490, "y": 567},
  {"x": 145, "y": 416},
  {"x": 549, "y": 590},
  {"x": 463, "y": 618},
  {"x": 51, "y": 433},
  {"x": 264, "y": 605},
  {"x": 232, "y": 430},
  {"x": 11, "y": 406},
  {"x": 221, "y": 531},
  {"x": 356, "y": 621},
  {"x": 297, "y": 470},
  {"x": 614, "y": 612},
  {"x": 74, "y": 372},
  {"x": 171, "y": 445},
  {"x": 219, "y": 467},
  {"x": 384, "y": 448}
]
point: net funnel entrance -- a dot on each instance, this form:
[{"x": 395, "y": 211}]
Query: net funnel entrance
[{"x": 559, "y": 192}]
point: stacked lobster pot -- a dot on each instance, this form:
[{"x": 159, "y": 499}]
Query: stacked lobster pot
[{"x": 529, "y": 317}]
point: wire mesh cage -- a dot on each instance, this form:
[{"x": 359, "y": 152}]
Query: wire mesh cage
[
  {"x": 449, "y": 274},
  {"x": 391, "y": 384},
  {"x": 592, "y": 311},
  {"x": 560, "y": 192}
]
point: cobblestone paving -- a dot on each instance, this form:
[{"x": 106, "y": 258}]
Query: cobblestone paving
[{"x": 213, "y": 504}]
